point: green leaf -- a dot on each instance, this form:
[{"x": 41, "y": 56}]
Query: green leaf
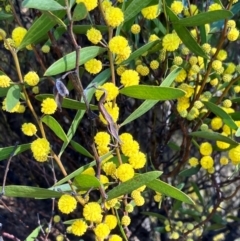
[
  {"x": 53, "y": 18},
  {"x": 213, "y": 136},
  {"x": 13, "y": 96},
  {"x": 152, "y": 92},
  {"x": 204, "y": 18},
  {"x": 75, "y": 173},
  {"x": 67, "y": 103},
  {"x": 5, "y": 16},
  {"x": 80, "y": 149},
  {"x": 139, "y": 52},
  {"x": 142, "y": 109},
  {"x": 189, "y": 172},
  {"x": 38, "y": 31},
  {"x": 5, "y": 152},
  {"x": 148, "y": 104},
  {"x": 68, "y": 62},
  {"x": 170, "y": 191},
  {"x": 185, "y": 36},
  {"x": 29, "y": 192},
  {"x": 85, "y": 182},
  {"x": 135, "y": 7},
  {"x": 198, "y": 193},
  {"x": 55, "y": 127},
  {"x": 132, "y": 184},
  {"x": 98, "y": 80},
  {"x": 80, "y": 12},
  {"x": 34, "y": 234},
  {"x": 46, "y": 5},
  {"x": 226, "y": 118},
  {"x": 171, "y": 77}
]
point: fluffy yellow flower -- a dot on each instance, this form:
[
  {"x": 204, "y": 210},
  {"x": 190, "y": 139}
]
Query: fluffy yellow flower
[
  {"x": 109, "y": 168},
  {"x": 45, "y": 49},
  {"x": 234, "y": 155},
  {"x": 193, "y": 162},
  {"x": 67, "y": 204},
  {"x": 135, "y": 28},
  {"x": 111, "y": 91},
  {"x": 224, "y": 160},
  {"x": 79, "y": 227},
  {"x": 40, "y": 149},
  {"x": 18, "y": 34},
  {"x": 117, "y": 44},
  {"x": 29, "y": 129},
  {"x": 216, "y": 123},
  {"x": 233, "y": 34},
  {"x": 181, "y": 76},
  {"x": 137, "y": 160},
  {"x": 102, "y": 138},
  {"x": 94, "y": 35},
  {"x": 206, "y": 149},
  {"x": 129, "y": 78},
  {"x": 150, "y": 12},
  {"x": 31, "y": 78},
  {"x": 125, "y": 221},
  {"x": 124, "y": 55},
  {"x": 93, "y": 66},
  {"x": 130, "y": 148},
  {"x": 125, "y": 172},
  {"x": 112, "y": 111},
  {"x": 4, "y": 81},
  {"x": 177, "y": 7},
  {"x": 2, "y": 34},
  {"x": 102, "y": 231},
  {"x": 114, "y": 16},
  {"x": 170, "y": 42},
  {"x": 90, "y": 4},
  {"x": 9, "y": 42},
  {"x": 206, "y": 162},
  {"x": 214, "y": 6},
  {"x": 89, "y": 171},
  {"x": 115, "y": 237},
  {"x": 92, "y": 212},
  {"x": 49, "y": 106},
  {"x": 111, "y": 221},
  {"x": 154, "y": 64}
]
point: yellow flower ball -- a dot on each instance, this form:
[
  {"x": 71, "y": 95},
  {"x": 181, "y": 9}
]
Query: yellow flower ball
[
  {"x": 192, "y": 11},
  {"x": 123, "y": 56},
  {"x": 109, "y": 168},
  {"x": 177, "y": 60},
  {"x": 18, "y": 34},
  {"x": 115, "y": 237},
  {"x": 170, "y": 42},
  {"x": 9, "y": 43},
  {"x": 4, "y": 81},
  {"x": 224, "y": 160},
  {"x": 130, "y": 148},
  {"x": 214, "y": 6},
  {"x": 137, "y": 160},
  {"x": 234, "y": 155},
  {"x": 216, "y": 123},
  {"x": 135, "y": 28},
  {"x": 177, "y": 7},
  {"x": 90, "y": 4},
  {"x": 206, "y": 149},
  {"x": 181, "y": 76},
  {"x": 125, "y": 221},
  {"x": 94, "y": 35},
  {"x": 129, "y": 78},
  {"x": 233, "y": 34},
  {"x": 231, "y": 23},
  {"x": 139, "y": 201},
  {"x": 79, "y": 227},
  {"x": 125, "y": 172},
  {"x": 193, "y": 162},
  {"x": 92, "y": 212},
  {"x": 111, "y": 221},
  {"x": 40, "y": 149},
  {"x": 154, "y": 64},
  {"x": 216, "y": 64},
  {"x": 31, "y": 78},
  {"x": 111, "y": 91},
  {"x": 153, "y": 37},
  {"x": 45, "y": 49},
  {"x": 102, "y": 231},
  {"x": 67, "y": 204},
  {"x": 222, "y": 55},
  {"x": 151, "y": 12},
  {"x": 89, "y": 171},
  {"x": 93, "y": 66},
  {"x": 102, "y": 138},
  {"x": 2, "y": 34},
  {"x": 114, "y": 16},
  {"x": 49, "y": 106},
  {"x": 206, "y": 162},
  {"x": 117, "y": 44},
  {"x": 29, "y": 129}
]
